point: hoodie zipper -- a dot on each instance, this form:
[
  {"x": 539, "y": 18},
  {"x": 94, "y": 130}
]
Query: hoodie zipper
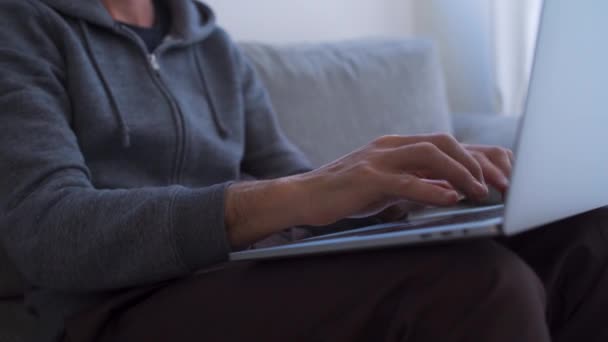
[
  {"x": 180, "y": 154},
  {"x": 154, "y": 63},
  {"x": 155, "y": 68}
]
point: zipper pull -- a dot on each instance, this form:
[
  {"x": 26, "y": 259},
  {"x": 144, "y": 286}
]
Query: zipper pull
[{"x": 154, "y": 62}]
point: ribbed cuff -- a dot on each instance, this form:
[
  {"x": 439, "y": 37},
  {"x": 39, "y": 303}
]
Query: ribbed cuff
[{"x": 199, "y": 227}]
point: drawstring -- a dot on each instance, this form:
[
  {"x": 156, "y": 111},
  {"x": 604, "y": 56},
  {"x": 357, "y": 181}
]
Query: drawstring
[
  {"x": 219, "y": 125},
  {"x": 124, "y": 128}
]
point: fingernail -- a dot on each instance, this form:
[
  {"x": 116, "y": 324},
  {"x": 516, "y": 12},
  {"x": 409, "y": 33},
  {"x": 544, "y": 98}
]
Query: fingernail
[
  {"x": 452, "y": 196},
  {"x": 480, "y": 189}
]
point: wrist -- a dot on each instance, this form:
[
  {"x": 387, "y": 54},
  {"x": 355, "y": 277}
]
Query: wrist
[
  {"x": 255, "y": 210},
  {"x": 302, "y": 189}
]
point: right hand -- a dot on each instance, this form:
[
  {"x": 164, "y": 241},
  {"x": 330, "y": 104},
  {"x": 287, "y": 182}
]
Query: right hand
[{"x": 428, "y": 169}]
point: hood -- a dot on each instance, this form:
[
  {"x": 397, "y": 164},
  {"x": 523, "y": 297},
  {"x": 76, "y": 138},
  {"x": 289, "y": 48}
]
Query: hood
[{"x": 191, "y": 20}]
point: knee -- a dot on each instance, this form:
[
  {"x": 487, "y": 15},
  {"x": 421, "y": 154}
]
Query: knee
[
  {"x": 498, "y": 275},
  {"x": 483, "y": 284},
  {"x": 488, "y": 293},
  {"x": 514, "y": 281},
  {"x": 595, "y": 223},
  {"x": 586, "y": 233}
]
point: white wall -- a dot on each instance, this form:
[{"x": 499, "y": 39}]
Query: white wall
[
  {"x": 516, "y": 27},
  {"x": 463, "y": 30},
  {"x": 283, "y": 21}
]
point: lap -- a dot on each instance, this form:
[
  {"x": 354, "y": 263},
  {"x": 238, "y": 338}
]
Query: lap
[{"x": 292, "y": 298}]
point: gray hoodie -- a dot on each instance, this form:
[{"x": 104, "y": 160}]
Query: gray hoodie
[{"x": 113, "y": 161}]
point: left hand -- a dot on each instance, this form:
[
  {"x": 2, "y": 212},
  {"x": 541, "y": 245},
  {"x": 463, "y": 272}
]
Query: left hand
[{"x": 496, "y": 165}]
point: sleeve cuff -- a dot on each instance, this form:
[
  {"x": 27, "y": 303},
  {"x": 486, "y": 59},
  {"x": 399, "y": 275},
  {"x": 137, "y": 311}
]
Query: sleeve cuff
[{"x": 199, "y": 227}]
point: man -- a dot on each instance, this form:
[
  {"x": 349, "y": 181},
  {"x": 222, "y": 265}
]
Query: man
[{"x": 125, "y": 129}]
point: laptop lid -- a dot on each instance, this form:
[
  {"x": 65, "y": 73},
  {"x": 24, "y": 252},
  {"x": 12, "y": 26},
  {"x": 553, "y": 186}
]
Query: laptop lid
[{"x": 561, "y": 166}]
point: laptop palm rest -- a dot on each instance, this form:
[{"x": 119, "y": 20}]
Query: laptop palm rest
[{"x": 430, "y": 226}]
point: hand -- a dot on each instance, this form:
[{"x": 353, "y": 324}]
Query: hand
[
  {"x": 428, "y": 169},
  {"x": 496, "y": 164}
]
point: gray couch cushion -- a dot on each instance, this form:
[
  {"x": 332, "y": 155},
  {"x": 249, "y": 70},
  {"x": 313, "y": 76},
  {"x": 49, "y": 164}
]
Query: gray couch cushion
[
  {"x": 486, "y": 129},
  {"x": 333, "y": 98},
  {"x": 10, "y": 280}
]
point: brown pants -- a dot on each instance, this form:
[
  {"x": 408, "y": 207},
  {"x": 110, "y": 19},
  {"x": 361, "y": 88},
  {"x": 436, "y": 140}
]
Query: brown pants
[{"x": 551, "y": 283}]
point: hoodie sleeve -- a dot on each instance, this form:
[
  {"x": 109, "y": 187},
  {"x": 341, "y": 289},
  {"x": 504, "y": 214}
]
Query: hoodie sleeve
[
  {"x": 268, "y": 152},
  {"x": 62, "y": 232}
]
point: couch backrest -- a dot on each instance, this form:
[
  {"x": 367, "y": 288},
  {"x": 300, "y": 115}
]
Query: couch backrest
[{"x": 333, "y": 98}]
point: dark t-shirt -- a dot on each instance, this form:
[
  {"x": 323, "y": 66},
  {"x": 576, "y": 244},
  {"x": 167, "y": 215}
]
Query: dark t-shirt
[{"x": 154, "y": 35}]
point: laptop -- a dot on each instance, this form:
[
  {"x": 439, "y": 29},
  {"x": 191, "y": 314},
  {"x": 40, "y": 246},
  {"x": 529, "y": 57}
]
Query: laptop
[{"x": 561, "y": 164}]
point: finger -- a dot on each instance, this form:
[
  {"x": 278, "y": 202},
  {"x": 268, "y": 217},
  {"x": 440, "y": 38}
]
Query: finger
[
  {"x": 501, "y": 157},
  {"x": 502, "y": 161},
  {"x": 412, "y": 188},
  {"x": 441, "y": 183},
  {"x": 444, "y": 184},
  {"x": 493, "y": 175},
  {"x": 444, "y": 142},
  {"x": 511, "y": 156},
  {"x": 428, "y": 159},
  {"x": 454, "y": 149}
]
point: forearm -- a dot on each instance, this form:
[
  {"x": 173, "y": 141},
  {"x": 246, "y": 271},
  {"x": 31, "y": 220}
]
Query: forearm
[{"x": 77, "y": 238}]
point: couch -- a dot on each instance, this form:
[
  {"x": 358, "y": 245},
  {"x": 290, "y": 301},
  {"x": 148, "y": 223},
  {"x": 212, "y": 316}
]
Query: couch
[{"x": 331, "y": 99}]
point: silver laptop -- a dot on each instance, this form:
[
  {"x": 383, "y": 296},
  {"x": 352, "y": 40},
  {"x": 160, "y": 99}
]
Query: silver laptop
[{"x": 561, "y": 166}]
